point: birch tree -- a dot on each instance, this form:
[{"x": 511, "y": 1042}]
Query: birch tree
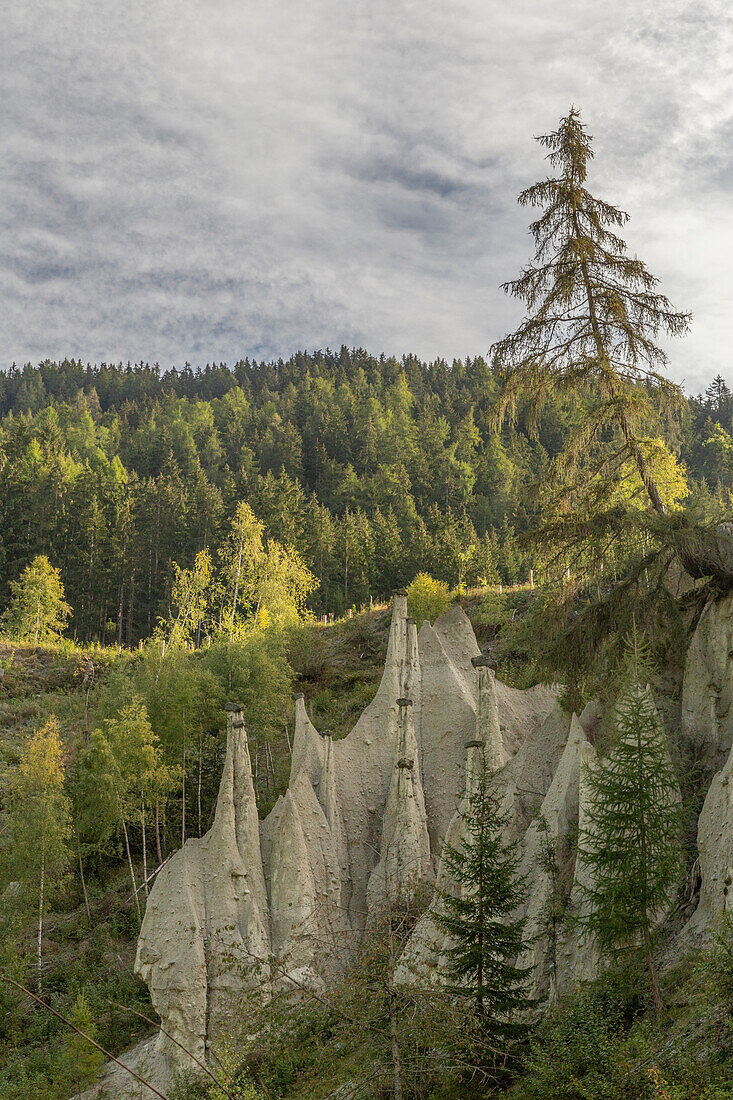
[{"x": 39, "y": 823}]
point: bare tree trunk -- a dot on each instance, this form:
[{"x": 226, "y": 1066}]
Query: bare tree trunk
[
  {"x": 39, "y": 948},
  {"x": 157, "y": 832},
  {"x": 270, "y": 767},
  {"x": 198, "y": 785},
  {"x": 145, "y": 851},
  {"x": 183, "y": 796},
  {"x": 81, "y": 876},
  {"x": 392, "y": 1010},
  {"x": 132, "y": 869}
]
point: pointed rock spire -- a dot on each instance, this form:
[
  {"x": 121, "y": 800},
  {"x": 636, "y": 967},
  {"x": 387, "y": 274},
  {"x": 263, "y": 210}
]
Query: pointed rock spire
[
  {"x": 557, "y": 818},
  {"x": 308, "y": 752},
  {"x": 488, "y": 729},
  {"x": 330, "y": 803},
  {"x": 578, "y": 952},
  {"x": 405, "y": 849},
  {"x": 410, "y": 686}
]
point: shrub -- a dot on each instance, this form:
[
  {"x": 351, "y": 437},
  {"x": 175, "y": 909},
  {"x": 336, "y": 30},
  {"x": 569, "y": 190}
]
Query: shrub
[{"x": 427, "y": 598}]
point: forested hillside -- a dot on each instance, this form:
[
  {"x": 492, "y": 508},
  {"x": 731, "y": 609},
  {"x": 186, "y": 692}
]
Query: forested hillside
[{"x": 372, "y": 468}]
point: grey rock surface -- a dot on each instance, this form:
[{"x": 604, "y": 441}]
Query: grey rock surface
[
  {"x": 283, "y": 900},
  {"x": 364, "y": 820}
]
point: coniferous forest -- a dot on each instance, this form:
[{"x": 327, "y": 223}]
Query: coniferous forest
[{"x": 373, "y": 469}]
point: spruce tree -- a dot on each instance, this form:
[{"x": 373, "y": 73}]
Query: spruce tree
[
  {"x": 632, "y": 843},
  {"x": 485, "y": 937}
]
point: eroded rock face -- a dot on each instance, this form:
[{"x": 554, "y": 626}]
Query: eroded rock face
[
  {"x": 365, "y": 818},
  {"x": 541, "y": 869},
  {"x": 205, "y": 934},
  {"x": 363, "y": 821},
  {"x": 715, "y": 848},
  {"x": 707, "y": 691}
]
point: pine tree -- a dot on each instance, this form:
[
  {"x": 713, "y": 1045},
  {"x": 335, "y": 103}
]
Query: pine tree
[
  {"x": 593, "y": 316},
  {"x": 38, "y": 821},
  {"x": 485, "y": 937},
  {"x": 632, "y": 842}
]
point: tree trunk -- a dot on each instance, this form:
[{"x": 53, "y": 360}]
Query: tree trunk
[
  {"x": 198, "y": 784},
  {"x": 132, "y": 870},
  {"x": 395, "y": 1046},
  {"x": 652, "y": 971},
  {"x": 183, "y": 794},
  {"x": 648, "y": 481},
  {"x": 157, "y": 832},
  {"x": 81, "y": 876},
  {"x": 393, "y": 1013},
  {"x": 39, "y": 948},
  {"x": 145, "y": 850}
]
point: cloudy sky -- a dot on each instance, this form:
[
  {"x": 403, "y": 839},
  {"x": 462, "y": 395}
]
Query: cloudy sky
[{"x": 208, "y": 180}]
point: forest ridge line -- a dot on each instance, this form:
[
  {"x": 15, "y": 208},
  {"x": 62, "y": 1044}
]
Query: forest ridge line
[{"x": 373, "y": 468}]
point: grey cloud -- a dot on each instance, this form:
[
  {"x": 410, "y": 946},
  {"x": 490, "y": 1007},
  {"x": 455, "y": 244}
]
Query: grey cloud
[{"x": 197, "y": 181}]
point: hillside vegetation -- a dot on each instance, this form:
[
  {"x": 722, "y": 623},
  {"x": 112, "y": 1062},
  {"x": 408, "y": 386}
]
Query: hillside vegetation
[{"x": 373, "y": 469}]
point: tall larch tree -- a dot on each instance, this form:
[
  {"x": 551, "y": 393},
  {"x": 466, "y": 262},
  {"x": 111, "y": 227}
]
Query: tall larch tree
[{"x": 593, "y": 319}]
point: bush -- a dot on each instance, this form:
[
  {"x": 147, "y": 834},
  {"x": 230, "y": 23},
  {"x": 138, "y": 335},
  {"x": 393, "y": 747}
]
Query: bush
[{"x": 427, "y": 598}]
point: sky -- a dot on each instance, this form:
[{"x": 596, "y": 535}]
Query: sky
[{"x": 204, "y": 181}]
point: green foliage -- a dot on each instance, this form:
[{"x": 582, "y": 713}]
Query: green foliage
[
  {"x": 36, "y": 851},
  {"x": 363, "y": 1032},
  {"x": 485, "y": 936},
  {"x": 593, "y": 318},
  {"x": 372, "y": 470},
  {"x": 79, "y": 1063},
  {"x": 580, "y": 1051},
  {"x": 632, "y": 839},
  {"x": 589, "y": 341},
  {"x": 427, "y": 598},
  {"x": 189, "y": 601},
  {"x": 37, "y": 610}
]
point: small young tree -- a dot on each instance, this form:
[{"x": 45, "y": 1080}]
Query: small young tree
[
  {"x": 485, "y": 937},
  {"x": 37, "y": 607},
  {"x": 79, "y": 1063},
  {"x": 240, "y": 559},
  {"x": 190, "y": 597},
  {"x": 38, "y": 820},
  {"x": 94, "y": 806},
  {"x": 632, "y": 843}
]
